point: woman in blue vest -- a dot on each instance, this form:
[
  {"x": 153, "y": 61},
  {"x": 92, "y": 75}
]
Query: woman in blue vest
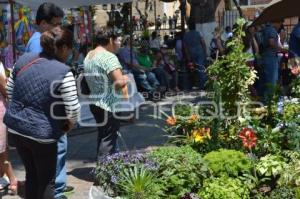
[{"x": 43, "y": 106}]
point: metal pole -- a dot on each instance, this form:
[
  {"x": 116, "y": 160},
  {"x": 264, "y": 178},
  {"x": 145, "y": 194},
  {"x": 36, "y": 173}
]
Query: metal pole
[
  {"x": 112, "y": 12},
  {"x": 93, "y": 25},
  {"x": 131, "y": 34},
  {"x": 155, "y": 22},
  {"x": 183, "y": 13},
  {"x": 12, "y": 23}
]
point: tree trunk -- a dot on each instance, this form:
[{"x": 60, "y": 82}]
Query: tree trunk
[
  {"x": 203, "y": 14},
  {"x": 203, "y": 11},
  {"x": 237, "y": 5},
  {"x": 143, "y": 16}
]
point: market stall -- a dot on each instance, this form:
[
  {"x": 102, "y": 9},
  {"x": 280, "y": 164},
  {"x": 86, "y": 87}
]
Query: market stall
[
  {"x": 16, "y": 27},
  {"x": 17, "y": 23}
]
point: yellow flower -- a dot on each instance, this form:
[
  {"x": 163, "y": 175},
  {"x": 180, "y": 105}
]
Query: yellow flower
[{"x": 198, "y": 136}]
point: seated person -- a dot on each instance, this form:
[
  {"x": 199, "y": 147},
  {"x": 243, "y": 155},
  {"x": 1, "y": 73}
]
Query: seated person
[
  {"x": 145, "y": 80},
  {"x": 145, "y": 61},
  {"x": 163, "y": 61}
]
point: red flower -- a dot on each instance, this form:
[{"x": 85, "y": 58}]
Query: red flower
[{"x": 248, "y": 137}]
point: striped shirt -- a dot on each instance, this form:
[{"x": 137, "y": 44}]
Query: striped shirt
[{"x": 69, "y": 96}]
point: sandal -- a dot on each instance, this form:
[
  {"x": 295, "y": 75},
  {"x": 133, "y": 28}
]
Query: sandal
[{"x": 13, "y": 188}]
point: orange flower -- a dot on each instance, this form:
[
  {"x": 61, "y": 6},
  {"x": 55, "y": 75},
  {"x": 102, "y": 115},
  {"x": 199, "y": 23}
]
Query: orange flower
[
  {"x": 248, "y": 137},
  {"x": 193, "y": 118},
  {"x": 208, "y": 133},
  {"x": 171, "y": 121}
]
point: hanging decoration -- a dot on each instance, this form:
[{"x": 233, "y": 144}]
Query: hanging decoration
[
  {"x": 23, "y": 29},
  {"x": 6, "y": 47},
  {"x": 81, "y": 21},
  {"x": 3, "y": 28}
]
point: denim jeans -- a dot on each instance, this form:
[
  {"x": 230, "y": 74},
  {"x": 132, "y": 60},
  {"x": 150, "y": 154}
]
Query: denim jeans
[
  {"x": 145, "y": 81},
  {"x": 162, "y": 77},
  {"x": 61, "y": 170},
  {"x": 200, "y": 62},
  {"x": 151, "y": 78},
  {"x": 270, "y": 76}
]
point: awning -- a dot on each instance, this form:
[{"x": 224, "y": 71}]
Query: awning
[
  {"x": 34, "y": 4},
  {"x": 279, "y": 10}
]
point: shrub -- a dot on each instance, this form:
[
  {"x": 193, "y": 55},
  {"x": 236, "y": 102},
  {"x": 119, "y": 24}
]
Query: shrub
[
  {"x": 137, "y": 183},
  {"x": 290, "y": 176},
  {"x": 110, "y": 168},
  {"x": 271, "y": 165},
  {"x": 230, "y": 162},
  {"x": 224, "y": 188},
  {"x": 181, "y": 170},
  {"x": 283, "y": 193}
]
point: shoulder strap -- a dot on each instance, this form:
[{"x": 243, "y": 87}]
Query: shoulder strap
[{"x": 24, "y": 68}]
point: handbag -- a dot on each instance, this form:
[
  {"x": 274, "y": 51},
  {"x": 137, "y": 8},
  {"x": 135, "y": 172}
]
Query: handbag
[{"x": 83, "y": 85}]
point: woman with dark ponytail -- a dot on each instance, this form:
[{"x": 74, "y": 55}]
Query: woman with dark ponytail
[{"x": 43, "y": 106}]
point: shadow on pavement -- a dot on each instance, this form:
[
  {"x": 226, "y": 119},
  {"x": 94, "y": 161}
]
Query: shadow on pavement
[{"x": 85, "y": 174}]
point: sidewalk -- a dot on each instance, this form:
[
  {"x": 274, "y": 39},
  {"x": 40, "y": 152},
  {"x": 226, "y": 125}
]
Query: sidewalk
[{"x": 143, "y": 133}]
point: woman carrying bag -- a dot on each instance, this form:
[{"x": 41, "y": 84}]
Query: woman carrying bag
[{"x": 108, "y": 88}]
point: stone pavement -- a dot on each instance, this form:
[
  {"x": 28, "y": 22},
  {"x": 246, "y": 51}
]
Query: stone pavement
[{"x": 142, "y": 133}]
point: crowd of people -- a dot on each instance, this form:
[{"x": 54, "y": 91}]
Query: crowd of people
[
  {"x": 161, "y": 22},
  {"x": 166, "y": 22},
  {"x": 43, "y": 98},
  {"x": 272, "y": 57}
]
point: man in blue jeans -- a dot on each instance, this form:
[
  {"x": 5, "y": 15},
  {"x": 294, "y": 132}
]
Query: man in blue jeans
[
  {"x": 294, "y": 47},
  {"x": 49, "y": 16},
  {"x": 269, "y": 57},
  {"x": 195, "y": 49}
]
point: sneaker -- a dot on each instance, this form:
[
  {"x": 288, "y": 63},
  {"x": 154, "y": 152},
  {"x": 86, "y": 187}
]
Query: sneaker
[
  {"x": 68, "y": 190},
  {"x": 4, "y": 182}
]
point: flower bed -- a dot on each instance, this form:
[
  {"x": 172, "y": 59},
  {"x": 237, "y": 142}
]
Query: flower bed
[{"x": 254, "y": 154}]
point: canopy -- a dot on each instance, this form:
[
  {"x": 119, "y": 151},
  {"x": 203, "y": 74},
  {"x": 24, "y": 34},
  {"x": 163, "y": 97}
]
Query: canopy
[
  {"x": 34, "y": 4},
  {"x": 279, "y": 10}
]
